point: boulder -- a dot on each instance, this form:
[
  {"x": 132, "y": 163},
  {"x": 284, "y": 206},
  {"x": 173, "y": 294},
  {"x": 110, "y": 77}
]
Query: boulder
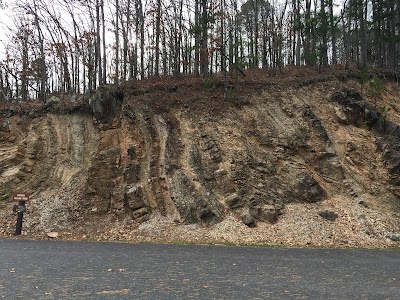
[
  {"x": 234, "y": 201},
  {"x": 395, "y": 237},
  {"x": 206, "y": 215},
  {"x": 354, "y": 109},
  {"x": 265, "y": 213},
  {"x": 269, "y": 215},
  {"x": 52, "y": 234},
  {"x": 328, "y": 215},
  {"x": 104, "y": 105},
  {"x": 141, "y": 214},
  {"x": 307, "y": 189},
  {"x": 249, "y": 220}
]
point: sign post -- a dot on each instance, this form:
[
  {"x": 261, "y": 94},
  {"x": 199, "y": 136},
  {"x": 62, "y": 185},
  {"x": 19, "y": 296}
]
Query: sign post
[{"x": 19, "y": 208}]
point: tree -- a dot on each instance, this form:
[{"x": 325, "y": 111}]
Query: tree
[
  {"x": 117, "y": 13},
  {"x": 64, "y": 47},
  {"x": 98, "y": 64},
  {"x": 140, "y": 35},
  {"x": 376, "y": 87},
  {"x": 363, "y": 76},
  {"x": 204, "y": 39}
]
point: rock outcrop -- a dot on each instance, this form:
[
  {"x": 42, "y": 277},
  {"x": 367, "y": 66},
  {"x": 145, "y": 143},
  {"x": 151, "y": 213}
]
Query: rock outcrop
[{"x": 135, "y": 156}]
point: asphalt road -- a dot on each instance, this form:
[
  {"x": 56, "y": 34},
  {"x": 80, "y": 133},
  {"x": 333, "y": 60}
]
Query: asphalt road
[{"x": 78, "y": 270}]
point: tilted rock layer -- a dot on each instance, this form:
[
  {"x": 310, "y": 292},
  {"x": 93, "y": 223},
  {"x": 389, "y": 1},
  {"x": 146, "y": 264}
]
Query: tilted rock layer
[{"x": 196, "y": 158}]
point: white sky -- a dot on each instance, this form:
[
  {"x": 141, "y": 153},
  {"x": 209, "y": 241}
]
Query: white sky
[{"x": 4, "y": 19}]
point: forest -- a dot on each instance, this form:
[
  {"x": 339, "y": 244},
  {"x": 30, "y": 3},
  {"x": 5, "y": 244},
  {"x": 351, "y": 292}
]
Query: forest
[{"x": 75, "y": 46}]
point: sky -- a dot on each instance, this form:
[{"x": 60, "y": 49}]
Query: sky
[{"x": 4, "y": 19}]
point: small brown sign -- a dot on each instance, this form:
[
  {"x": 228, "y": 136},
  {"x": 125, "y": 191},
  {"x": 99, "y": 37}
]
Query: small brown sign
[{"x": 20, "y": 196}]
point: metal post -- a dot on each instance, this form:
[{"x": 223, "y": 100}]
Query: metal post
[{"x": 20, "y": 216}]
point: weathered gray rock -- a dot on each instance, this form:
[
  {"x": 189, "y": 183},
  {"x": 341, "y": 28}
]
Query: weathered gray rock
[
  {"x": 234, "y": 201},
  {"x": 279, "y": 207},
  {"x": 354, "y": 108},
  {"x": 206, "y": 215},
  {"x": 265, "y": 213},
  {"x": 269, "y": 215},
  {"x": 129, "y": 113},
  {"x": 358, "y": 112},
  {"x": 131, "y": 174},
  {"x": 390, "y": 147},
  {"x": 5, "y": 126},
  {"x": 328, "y": 215},
  {"x": 104, "y": 105},
  {"x": 135, "y": 197},
  {"x": 307, "y": 189},
  {"x": 249, "y": 220},
  {"x": 141, "y": 214},
  {"x": 363, "y": 203},
  {"x": 316, "y": 123},
  {"x": 329, "y": 165},
  {"x": 192, "y": 204},
  {"x": 395, "y": 237}
]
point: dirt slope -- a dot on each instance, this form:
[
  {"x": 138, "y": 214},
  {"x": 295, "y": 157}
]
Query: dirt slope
[{"x": 172, "y": 160}]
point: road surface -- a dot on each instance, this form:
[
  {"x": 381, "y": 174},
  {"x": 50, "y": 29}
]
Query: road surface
[{"x": 82, "y": 270}]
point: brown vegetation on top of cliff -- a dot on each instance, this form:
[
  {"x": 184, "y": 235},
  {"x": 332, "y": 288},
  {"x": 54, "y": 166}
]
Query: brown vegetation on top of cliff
[
  {"x": 165, "y": 92},
  {"x": 178, "y": 90},
  {"x": 195, "y": 159}
]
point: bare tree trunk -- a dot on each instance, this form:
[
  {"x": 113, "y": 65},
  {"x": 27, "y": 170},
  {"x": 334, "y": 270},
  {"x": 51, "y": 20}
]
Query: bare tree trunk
[
  {"x": 165, "y": 62},
  {"x": 126, "y": 29},
  {"x": 255, "y": 62},
  {"x": 197, "y": 37},
  {"x": 140, "y": 25},
  {"x": 222, "y": 36},
  {"x": 333, "y": 32},
  {"x": 204, "y": 40},
  {"x": 307, "y": 33},
  {"x": 43, "y": 68},
  {"x": 363, "y": 33},
  {"x": 98, "y": 65},
  {"x": 392, "y": 54},
  {"x": 324, "y": 31},
  {"x": 104, "y": 76},
  {"x": 25, "y": 62},
  {"x": 117, "y": 12},
  {"x": 297, "y": 31},
  {"x": 158, "y": 25}
]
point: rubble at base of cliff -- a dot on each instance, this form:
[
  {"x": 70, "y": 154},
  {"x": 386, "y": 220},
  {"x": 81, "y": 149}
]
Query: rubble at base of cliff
[{"x": 301, "y": 226}]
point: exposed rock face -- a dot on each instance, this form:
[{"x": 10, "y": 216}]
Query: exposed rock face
[
  {"x": 360, "y": 113},
  {"x": 134, "y": 155}
]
